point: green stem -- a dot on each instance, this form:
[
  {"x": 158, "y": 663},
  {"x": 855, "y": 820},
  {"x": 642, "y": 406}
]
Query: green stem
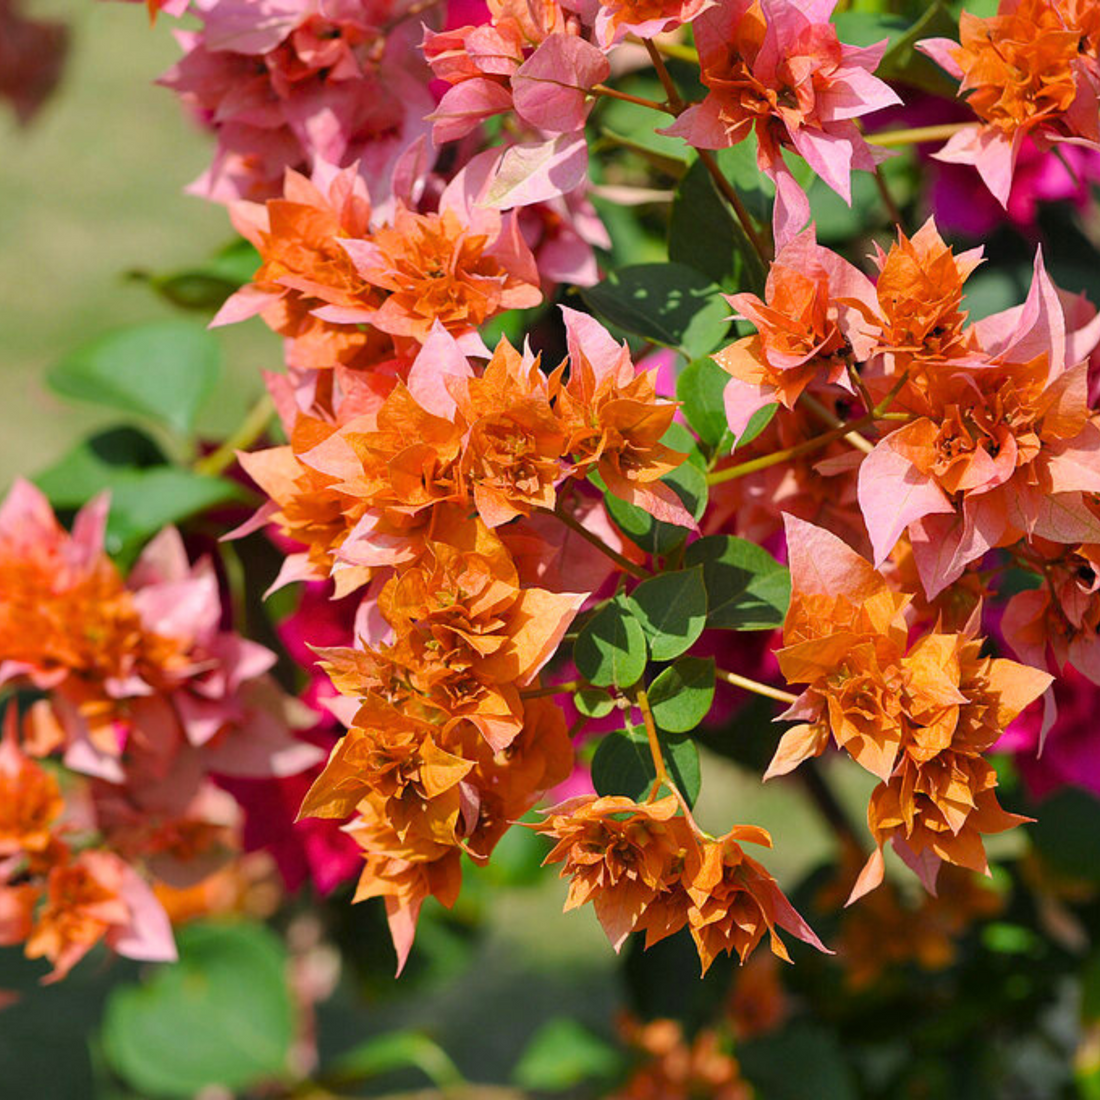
[
  {"x": 566, "y": 688},
  {"x": 891, "y": 139},
  {"x": 757, "y": 688},
  {"x": 250, "y": 430}
]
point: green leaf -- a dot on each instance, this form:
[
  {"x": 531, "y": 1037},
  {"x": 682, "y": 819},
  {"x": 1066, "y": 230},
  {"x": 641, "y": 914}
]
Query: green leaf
[
  {"x": 196, "y": 290},
  {"x": 902, "y": 62},
  {"x": 701, "y": 387},
  {"x": 237, "y": 262},
  {"x": 163, "y": 371},
  {"x": 146, "y": 494},
  {"x": 780, "y": 1064},
  {"x": 593, "y": 703},
  {"x": 747, "y": 589},
  {"x": 837, "y": 222},
  {"x": 393, "y": 1051},
  {"x": 623, "y": 765},
  {"x": 704, "y": 234},
  {"x": 679, "y": 438},
  {"x": 652, "y": 535},
  {"x": 757, "y": 423},
  {"x": 611, "y": 649},
  {"x": 206, "y": 287},
  {"x": 672, "y": 609},
  {"x": 680, "y": 697},
  {"x": 563, "y": 1054},
  {"x": 670, "y": 304},
  {"x": 221, "y": 1016}
]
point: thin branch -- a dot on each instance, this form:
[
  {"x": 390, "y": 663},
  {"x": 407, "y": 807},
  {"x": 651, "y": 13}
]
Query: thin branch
[
  {"x": 591, "y": 537},
  {"x": 755, "y": 686},
  {"x": 888, "y": 200},
  {"x": 566, "y": 688},
  {"x": 675, "y": 103},
  {"x": 834, "y": 421},
  {"x": 641, "y": 701},
  {"x": 764, "y": 462},
  {"x": 891, "y": 139},
  {"x": 861, "y": 388},
  {"x": 731, "y": 473},
  {"x": 731, "y": 196},
  {"x": 250, "y": 430},
  {"x": 675, "y": 50},
  {"x": 626, "y": 97}
]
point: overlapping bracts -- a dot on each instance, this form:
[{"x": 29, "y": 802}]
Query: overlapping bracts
[
  {"x": 142, "y": 697},
  {"x": 410, "y": 174}
]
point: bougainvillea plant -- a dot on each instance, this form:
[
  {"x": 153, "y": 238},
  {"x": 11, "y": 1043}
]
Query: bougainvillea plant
[{"x": 617, "y": 338}]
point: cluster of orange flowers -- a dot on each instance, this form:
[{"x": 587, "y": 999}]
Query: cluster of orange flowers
[
  {"x": 917, "y": 716},
  {"x": 349, "y": 286},
  {"x": 1023, "y": 66},
  {"x": 1030, "y": 72},
  {"x": 444, "y": 753},
  {"x": 645, "y": 867},
  {"x": 676, "y": 1068},
  {"x": 56, "y": 899},
  {"x": 887, "y": 929},
  {"x": 442, "y": 479},
  {"x": 432, "y": 480}
]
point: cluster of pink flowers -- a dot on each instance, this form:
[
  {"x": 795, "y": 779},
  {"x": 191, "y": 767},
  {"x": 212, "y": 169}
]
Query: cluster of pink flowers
[{"x": 142, "y": 697}]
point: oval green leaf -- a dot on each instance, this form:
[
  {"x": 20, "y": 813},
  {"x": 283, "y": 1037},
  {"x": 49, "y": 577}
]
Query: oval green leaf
[
  {"x": 611, "y": 649},
  {"x": 747, "y": 589},
  {"x": 623, "y": 765},
  {"x": 672, "y": 609},
  {"x": 163, "y": 371},
  {"x": 221, "y": 1016},
  {"x": 682, "y": 695}
]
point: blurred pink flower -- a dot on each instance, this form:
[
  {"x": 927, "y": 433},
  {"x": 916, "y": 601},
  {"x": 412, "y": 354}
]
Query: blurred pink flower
[
  {"x": 1071, "y": 753},
  {"x": 32, "y": 53},
  {"x": 285, "y": 83}
]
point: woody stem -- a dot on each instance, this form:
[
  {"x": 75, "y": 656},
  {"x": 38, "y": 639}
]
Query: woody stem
[
  {"x": 672, "y": 95},
  {"x": 641, "y": 701},
  {"x": 250, "y": 430},
  {"x": 626, "y": 97},
  {"x": 834, "y": 421},
  {"x": 890, "y": 139},
  {"x": 592, "y": 538},
  {"x": 888, "y": 200},
  {"x": 731, "y": 196},
  {"x": 757, "y": 688}
]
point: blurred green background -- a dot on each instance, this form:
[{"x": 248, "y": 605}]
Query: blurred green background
[{"x": 93, "y": 188}]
